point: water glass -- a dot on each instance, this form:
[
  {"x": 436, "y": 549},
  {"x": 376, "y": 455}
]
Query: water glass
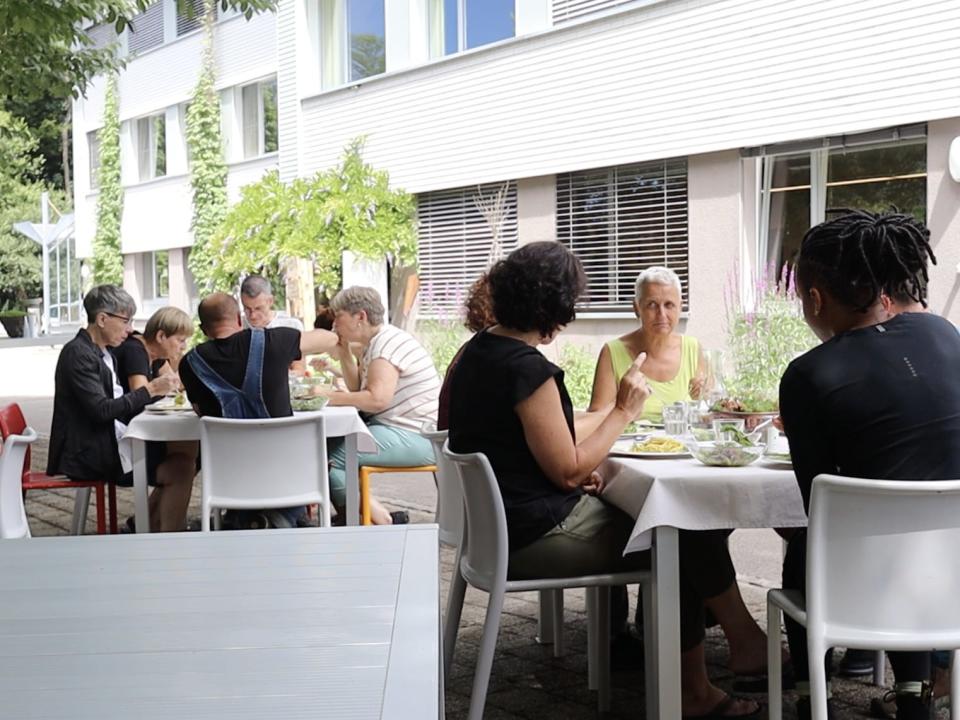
[{"x": 675, "y": 419}]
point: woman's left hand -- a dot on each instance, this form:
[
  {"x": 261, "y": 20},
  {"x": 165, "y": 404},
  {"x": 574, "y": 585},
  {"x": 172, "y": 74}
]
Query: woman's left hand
[{"x": 593, "y": 485}]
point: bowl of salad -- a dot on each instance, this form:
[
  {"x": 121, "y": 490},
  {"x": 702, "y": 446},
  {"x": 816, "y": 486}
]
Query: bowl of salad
[{"x": 725, "y": 453}]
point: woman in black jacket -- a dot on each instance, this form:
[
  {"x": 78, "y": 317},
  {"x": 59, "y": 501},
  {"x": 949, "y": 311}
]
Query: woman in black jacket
[{"x": 88, "y": 401}]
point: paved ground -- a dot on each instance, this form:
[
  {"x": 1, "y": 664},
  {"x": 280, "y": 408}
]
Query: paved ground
[{"x": 527, "y": 682}]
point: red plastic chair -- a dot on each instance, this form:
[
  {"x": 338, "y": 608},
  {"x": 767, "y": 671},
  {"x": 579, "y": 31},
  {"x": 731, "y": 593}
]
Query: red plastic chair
[{"x": 12, "y": 422}]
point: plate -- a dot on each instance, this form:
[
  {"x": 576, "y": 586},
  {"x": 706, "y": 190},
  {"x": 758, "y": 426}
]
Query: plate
[
  {"x": 621, "y": 448},
  {"x": 776, "y": 463},
  {"x": 167, "y": 405}
]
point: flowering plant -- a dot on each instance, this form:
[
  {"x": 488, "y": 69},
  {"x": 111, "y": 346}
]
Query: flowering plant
[{"x": 765, "y": 331}]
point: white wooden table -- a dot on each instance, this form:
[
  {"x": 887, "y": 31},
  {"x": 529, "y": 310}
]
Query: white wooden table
[
  {"x": 290, "y": 624},
  {"x": 184, "y": 425},
  {"x": 666, "y": 494}
]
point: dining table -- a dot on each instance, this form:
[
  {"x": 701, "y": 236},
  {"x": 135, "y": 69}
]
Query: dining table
[
  {"x": 295, "y": 623},
  {"x": 668, "y": 494},
  {"x": 184, "y": 425}
]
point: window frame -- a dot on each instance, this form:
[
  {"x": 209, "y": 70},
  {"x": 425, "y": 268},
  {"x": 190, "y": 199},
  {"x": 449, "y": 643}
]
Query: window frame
[
  {"x": 461, "y": 29},
  {"x": 152, "y": 135},
  {"x": 93, "y": 155},
  {"x": 819, "y": 153},
  {"x": 339, "y": 16},
  {"x": 151, "y": 279},
  {"x": 261, "y": 129}
]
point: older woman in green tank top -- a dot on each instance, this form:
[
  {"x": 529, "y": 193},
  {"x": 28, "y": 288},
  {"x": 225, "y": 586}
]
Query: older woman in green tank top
[{"x": 674, "y": 366}]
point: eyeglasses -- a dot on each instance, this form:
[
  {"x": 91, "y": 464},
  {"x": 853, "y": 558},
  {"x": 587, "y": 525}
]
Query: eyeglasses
[{"x": 126, "y": 320}]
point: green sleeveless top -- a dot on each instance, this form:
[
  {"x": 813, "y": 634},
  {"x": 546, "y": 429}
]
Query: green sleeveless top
[{"x": 669, "y": 391}]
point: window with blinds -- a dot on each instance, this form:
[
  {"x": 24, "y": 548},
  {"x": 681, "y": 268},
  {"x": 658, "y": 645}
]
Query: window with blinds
[
  {"x": 564, "y": 10},
  {"x": 456, "y": 236},
  {"x": 146, "y": 29},
  {"x": 102, "y": 35},
  {"x": 622, "y": 220},
  {"x": 190, "y": 17}
]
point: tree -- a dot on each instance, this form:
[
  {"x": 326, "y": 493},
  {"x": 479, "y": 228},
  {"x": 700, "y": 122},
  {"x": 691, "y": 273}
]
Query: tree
[
  {"x": 349, "y": 207},
  {"x": 20, "y": 165},
  {"x": 45, "y": 48},
  {"x": 107, "y": 259},
  {"x": 208, "y": 171}
]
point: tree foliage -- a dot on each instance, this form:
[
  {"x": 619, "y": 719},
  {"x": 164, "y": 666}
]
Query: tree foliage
[
  {"x": 349, "y": 207},
  {"x": 20, "y": 191},
  {"x": 107, "y": 259},
  {"x": 46, "y": 49},
  {"x": 208, "y": 170}
]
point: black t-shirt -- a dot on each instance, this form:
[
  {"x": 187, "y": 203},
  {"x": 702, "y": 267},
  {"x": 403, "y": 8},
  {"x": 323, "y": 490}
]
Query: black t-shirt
[
  {"x": 133, "y": 359},
  {"x": 228, "y": 358},
  {"x": 492, "y": 376},
  {"x": 880, "y": 402}
]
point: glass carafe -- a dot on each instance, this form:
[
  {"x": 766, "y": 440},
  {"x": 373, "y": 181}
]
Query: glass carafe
[{"x": 714, "y": 387}]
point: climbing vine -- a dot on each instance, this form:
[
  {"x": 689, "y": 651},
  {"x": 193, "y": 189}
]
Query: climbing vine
[{"x": 107, "y": 259}]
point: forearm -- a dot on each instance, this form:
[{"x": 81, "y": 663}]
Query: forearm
[
  {"x": 592, "y": 450},
  {"x": 363, "y": 400},
  {"x": 351, "y": 373},
  {"x": 586, "y": 422}
]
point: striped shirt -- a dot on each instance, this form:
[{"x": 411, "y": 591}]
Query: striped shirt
[{"x": 418, "y": 387}]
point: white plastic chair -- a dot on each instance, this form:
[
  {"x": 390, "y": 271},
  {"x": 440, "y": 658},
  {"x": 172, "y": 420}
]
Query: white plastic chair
[
  {"x": 880, "y": 575},
  {"x": 449, "y": 511},
  {"x": 13, "y": 516},
  {"x": 256, "y": 464},
  {"x": 482, "y": 559}
]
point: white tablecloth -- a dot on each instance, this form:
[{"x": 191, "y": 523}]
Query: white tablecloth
[
  {"x": 338, "y": 623},
  {"x": 687, "y": 494},
  {"x": 185, "y": 425}
]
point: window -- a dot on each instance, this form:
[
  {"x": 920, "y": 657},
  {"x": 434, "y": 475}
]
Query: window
[
  {"x": 102, "y": 35},
  {"x": 798, "y": 187},
  {"x": 456, "y": 231},
  {"x": 622, "y": 220},
  {"x": 457, "y": 25},
  {"x": 352, "y": 40},
  {"x": 152, "y": 147},
  {"x": 259, "y": 118},
  {"x": 146, "y": 29},
  {"x": 93, "y": 144},
  {"x": 156, "y": 275},
  {"x": 190, "y": 18}
]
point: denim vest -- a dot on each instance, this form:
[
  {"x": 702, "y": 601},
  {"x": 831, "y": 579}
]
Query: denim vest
[{"x": 247, "y": 402}]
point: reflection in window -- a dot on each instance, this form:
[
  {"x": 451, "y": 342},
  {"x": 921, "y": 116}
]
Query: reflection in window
[
  {"x": 352, "y": 40},
  {"x": 156, "y": 275},
  {"x": 876, "y": 178},
  {"x": 457, "y": 25},
  {"x": 259, "y": 118},
  {"x": 152, "y": 147}
]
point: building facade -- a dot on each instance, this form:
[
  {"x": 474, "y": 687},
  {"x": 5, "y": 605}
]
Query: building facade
[{"x": 706, "y": 135}]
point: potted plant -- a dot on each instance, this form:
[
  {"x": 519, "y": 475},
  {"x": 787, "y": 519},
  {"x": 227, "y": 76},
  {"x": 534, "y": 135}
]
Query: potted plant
[
  {"x": 765, "y": 331},
  {"x": 13, "y": 321}
]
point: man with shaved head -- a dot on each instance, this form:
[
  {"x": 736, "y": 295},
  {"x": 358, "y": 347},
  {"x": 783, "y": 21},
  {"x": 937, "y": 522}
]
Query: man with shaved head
[{"x": 242, "y": 373}]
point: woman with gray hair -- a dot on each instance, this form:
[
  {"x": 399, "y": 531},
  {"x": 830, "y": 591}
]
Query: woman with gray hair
[
  {"x": 674, "y": 364},
  {"x": 89, "y": 403},
  {"x": 395, "y": 385}
]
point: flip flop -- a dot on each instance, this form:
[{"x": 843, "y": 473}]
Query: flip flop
[{"x": 719, "y": 711}]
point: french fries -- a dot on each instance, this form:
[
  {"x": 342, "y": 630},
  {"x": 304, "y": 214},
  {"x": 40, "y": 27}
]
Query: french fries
[{"x": 659, "y": 444}]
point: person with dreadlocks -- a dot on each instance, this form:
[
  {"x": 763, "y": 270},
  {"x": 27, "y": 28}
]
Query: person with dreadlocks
[{"x": 872, "y": 400}]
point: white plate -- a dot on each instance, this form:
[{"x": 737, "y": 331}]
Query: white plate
[
  {"x": 621, "y": 448},
  {"x": 168, "y": 406}
]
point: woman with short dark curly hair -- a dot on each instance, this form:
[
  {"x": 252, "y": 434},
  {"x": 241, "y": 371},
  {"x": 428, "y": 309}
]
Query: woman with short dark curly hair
[{"x": 509, "y": 402}]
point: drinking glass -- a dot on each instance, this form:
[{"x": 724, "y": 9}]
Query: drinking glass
[{"x": 675, "y": 419}]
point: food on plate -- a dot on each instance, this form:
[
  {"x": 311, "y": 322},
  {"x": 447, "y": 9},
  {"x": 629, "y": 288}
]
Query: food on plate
[
  {"x": 659, "y": 444},
  {"x": 303, "y": 404},
  {"x": 726, "y": 453},
  {"x": 743, "y": 405},
  {"x": 180, "y": 400}
]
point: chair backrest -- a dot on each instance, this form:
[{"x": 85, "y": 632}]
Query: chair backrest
[
  {"x": 880, "y": 556},
  {"x": 449, "y": 496},
  {"x": 484, "y": 550},
  {"x": 13, "y": 516},
  {"x": 12, "y": 422},
  {"x": 264, "y": 463}
]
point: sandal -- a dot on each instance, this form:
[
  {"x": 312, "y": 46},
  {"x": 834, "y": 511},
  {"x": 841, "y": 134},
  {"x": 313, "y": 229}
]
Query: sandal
[{"x": 719, "y": 711}]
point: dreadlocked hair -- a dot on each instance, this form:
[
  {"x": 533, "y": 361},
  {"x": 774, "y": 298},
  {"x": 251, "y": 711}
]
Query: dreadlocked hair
[{"x": 860, "y": 255}]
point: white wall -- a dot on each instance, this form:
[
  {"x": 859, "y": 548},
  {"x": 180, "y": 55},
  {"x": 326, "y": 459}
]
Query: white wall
[{"x": 671, "y": 79}]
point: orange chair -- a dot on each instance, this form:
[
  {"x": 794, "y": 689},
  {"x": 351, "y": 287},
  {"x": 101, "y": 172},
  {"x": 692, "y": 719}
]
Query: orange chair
[
  {"x": 12, "y": 422},
  {"x": 367, "y": 470}
]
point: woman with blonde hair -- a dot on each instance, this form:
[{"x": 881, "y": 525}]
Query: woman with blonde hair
[{"x": 171, "y": 466}]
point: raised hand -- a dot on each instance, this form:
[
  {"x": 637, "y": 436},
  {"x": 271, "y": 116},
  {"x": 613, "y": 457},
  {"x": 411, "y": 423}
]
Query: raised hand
[{"x": 634, "y": 388}]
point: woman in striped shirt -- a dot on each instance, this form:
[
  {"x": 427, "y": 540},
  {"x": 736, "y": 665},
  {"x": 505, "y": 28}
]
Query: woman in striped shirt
[{"x": 395, "y": 385}]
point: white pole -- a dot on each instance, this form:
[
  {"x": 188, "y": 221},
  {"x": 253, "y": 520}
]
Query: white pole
[{"x": 45, "y": 253}]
